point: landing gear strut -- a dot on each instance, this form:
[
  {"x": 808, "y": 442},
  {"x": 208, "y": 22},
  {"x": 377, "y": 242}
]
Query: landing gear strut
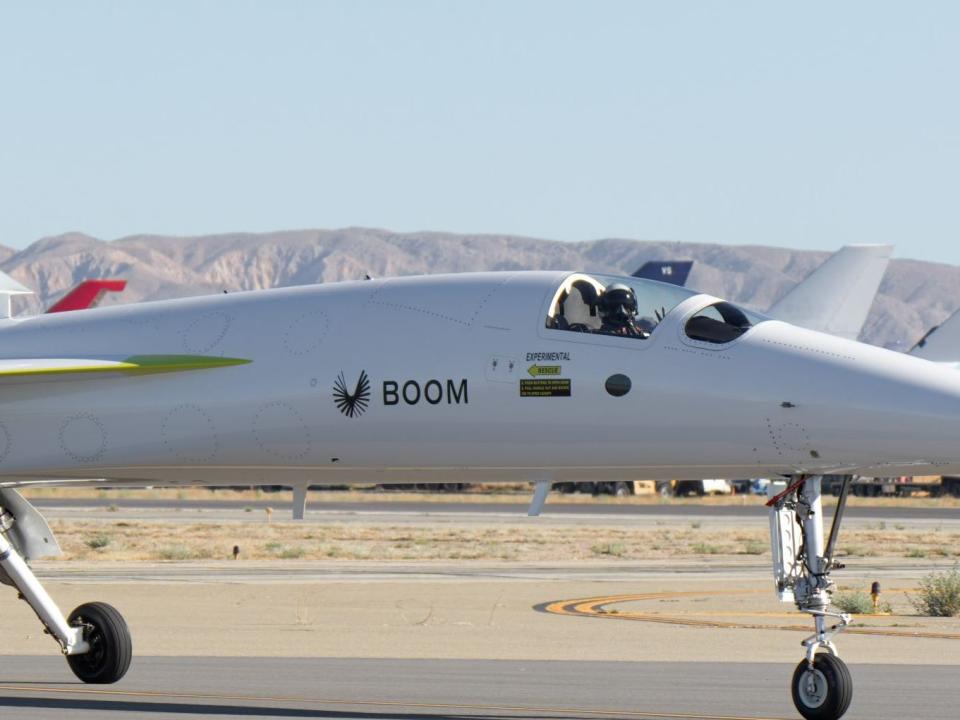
[
  {"x": 94, "y": 639},
  {"x": 822, "y": 687}
]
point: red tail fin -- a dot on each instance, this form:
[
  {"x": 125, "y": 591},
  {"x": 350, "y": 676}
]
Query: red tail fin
[{"x": 87, "y": 295}]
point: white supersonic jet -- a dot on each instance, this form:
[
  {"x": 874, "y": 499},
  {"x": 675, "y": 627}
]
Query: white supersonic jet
[{"x": 540, "y": 376}]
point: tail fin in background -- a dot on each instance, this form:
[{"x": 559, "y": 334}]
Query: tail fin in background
[
  {"x": 674, "y": 272},
  {"x": 8, "y": 288},
  {"x": 836, "y": 297},
  {"x": 941, "y": 343},
  {"x": 87, "y": 294}
]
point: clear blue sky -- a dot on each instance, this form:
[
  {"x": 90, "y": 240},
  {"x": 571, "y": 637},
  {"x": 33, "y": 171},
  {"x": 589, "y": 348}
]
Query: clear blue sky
[{"x": 807, "y": 125}]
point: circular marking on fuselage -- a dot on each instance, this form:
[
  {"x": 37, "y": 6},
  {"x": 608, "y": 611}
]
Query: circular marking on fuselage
[
  {"x": 281, "y": 432},
  {"x": 305, "y": 333},
  {"x": 187, "y": 431},
  {"x": 205, "y": 332},
  {"x": 83, "y": 438},
  {"x": 4, "y": 442},
  {"x": 618, "y": 385}
]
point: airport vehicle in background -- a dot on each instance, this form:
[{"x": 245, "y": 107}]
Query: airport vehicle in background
[
  {"x": 714, "y": 486},
  {"x": 618, "y": 488},
  {"x": 427, "y": 379},
  {"x": 750, "y": 486},
  {"x": 625, "y": 488},
  {"x": 427, "y": 487},
  {"x": 900, "y": 486}
]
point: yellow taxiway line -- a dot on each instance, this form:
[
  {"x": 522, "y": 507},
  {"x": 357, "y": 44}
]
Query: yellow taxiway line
[
  {"x": 100, "y": 692},
  {"x": 595, "y": 607}
]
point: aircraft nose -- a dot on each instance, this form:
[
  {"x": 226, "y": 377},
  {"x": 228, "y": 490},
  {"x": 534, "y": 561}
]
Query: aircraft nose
[{"x": 861, "y": 406}]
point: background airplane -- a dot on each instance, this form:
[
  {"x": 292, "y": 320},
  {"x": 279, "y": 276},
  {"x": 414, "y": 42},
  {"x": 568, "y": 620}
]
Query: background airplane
[
  {"x": 674, "y": 272},
  {"x": 836, "y": 297},
  {"x": 941, "y": 344},
  {"x": 87, "y": 294}
]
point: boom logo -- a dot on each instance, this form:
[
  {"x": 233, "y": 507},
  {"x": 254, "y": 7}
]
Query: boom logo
[
  {"x": 352, "y": 404},
  {"x": 433, "y": 392}
]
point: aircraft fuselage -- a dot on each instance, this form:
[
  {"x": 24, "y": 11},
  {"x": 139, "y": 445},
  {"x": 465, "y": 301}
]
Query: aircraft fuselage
[{"x": 458, "y": 377}]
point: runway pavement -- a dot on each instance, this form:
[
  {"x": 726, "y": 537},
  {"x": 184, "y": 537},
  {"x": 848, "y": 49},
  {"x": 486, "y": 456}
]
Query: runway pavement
[
  {"x": 365, "y": 689},
  {"x": 464, "y": 640},
  {"x": 281, "y": 504},
  {"x": 708, "y": 569}
]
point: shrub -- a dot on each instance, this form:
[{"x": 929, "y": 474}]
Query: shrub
[
  {"x": 182, "y": 552},
  {"x": 98, "y": 542},
  {"x": 704, "y": 549},
  {"x": 939, "y": 594},
  {"x": 614, "y": 549},
  {"x": 858, "y": 603}
]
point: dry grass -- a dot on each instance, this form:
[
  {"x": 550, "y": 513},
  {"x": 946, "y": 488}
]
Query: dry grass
[{"x": 104, "y": 539}]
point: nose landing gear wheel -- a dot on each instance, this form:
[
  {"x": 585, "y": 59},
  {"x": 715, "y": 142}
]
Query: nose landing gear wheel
[
  {"x": 823, "y": 692},
  {"x": 111, "y": 648}
]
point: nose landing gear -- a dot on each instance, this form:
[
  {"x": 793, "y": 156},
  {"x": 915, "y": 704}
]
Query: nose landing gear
[
  {"x": 822, "y": 688},
  {"x": 111, "y": 649},
  {"x": 94, "y": 639}
]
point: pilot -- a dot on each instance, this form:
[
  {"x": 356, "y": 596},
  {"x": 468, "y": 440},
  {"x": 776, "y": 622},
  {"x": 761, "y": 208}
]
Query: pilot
[{"x": 618, "y": 311}]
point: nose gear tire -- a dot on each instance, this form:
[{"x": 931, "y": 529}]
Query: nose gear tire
[
  {"x": 823, "y": 692},
  {"x": 111, "y": 647}
]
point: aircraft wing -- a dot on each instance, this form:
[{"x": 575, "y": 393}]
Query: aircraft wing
[
  {"x": 836, "y": 297},
  {"x": 20, "y": 368},
  {"x": 46, "y": 369}
]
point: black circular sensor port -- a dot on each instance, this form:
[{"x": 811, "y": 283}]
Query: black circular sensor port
[{"x": 618, "y": 385}]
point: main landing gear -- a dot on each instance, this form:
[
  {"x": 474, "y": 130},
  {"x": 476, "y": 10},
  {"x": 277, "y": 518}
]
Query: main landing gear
[
  {"x": 822, "y": 688},
  {"x": 94, "y": 639}
]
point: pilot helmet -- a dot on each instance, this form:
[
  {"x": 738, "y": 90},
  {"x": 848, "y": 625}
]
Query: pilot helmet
[{"x": 618, "y": 303}]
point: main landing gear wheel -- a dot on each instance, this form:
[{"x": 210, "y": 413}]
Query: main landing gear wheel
[
  {"x": 824, "y": 691},
  {"x": 111, "y": 648}
]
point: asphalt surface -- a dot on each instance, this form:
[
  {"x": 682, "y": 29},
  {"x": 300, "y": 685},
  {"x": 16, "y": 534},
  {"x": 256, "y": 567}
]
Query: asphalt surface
[
  {"x": 362, "y": 689},
  {"x": 269, "y": 571},
  {"x": 473, "y": 508}
]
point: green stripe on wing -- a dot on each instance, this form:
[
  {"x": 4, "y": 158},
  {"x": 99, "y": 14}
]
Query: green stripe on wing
[
  {"x": 135, "y": 364},
  {"x": 176, "y": 363}
]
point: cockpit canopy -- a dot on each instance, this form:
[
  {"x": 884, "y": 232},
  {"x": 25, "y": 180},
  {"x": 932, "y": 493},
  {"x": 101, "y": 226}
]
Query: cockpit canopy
[{"x": 581, "y": 304}]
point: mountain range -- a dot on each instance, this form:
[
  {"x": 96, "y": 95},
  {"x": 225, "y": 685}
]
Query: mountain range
[{"x": 913, "y": 297}]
